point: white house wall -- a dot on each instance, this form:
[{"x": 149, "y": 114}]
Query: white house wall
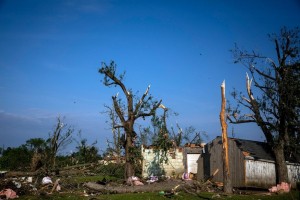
[{"x": 175, "y": 165}]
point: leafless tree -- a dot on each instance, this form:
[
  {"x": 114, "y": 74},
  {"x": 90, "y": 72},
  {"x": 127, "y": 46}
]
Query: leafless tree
[
  {"x": 133, "y": 109},
  {"x": 273, "y": 104},
  {"x": 58, "y": 140}
]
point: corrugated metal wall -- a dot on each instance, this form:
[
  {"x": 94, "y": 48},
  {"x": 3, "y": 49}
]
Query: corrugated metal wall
[
  {"x": 245, "y": 172},
  {"x": 294, "y": 173},
  {"x": 260, "y": 173}
]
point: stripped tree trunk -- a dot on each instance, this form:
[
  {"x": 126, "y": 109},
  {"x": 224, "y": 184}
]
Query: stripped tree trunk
[{"x": 226, "y": 171}]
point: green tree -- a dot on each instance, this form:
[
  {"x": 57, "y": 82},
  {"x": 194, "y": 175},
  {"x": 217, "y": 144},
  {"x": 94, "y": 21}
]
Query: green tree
[
  {"x": 128, "y": 111},
  {"x": 17, "y": 158},
  {"x": 274, "y": 103},
  {"x": 86, "y": 153},
  {"x": 36, "y": 143}
]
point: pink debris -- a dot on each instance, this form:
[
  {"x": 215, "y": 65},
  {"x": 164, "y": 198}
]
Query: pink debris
[
  {"x": 9, "y": 193},
  {"x": 285, "y": 187}
]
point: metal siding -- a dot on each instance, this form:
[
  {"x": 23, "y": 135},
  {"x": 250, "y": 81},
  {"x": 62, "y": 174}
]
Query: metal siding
[
  {"x": 244, "y": 172},
  {"x": 260, "y": 173},
  {"x": 294, "y": 173}
]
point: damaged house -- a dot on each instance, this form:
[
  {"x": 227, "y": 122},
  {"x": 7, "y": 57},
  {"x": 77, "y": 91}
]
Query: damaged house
[
  {"x": 251, "y": 163},
  {"x": 180, "y": 160}
]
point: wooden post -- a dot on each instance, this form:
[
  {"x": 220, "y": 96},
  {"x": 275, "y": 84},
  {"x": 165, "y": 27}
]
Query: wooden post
[{"x": 226, "y": 171}]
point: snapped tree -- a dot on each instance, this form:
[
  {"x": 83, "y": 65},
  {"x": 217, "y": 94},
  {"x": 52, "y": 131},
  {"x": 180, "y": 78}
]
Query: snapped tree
[
  {"x": 225, "y": 154},
  {"x": 274, "y": 103},
  {"x": 59, "y": 139},
  {"x": 129, "y": 111}
]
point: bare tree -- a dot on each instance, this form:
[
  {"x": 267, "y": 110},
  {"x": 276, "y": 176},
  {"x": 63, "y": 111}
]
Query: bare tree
[
  {"x": 115, "y": 147},
  {"x": 274, "y": 103},
  {"x": 60, "y": 138},
  {"x": 133, "y": 110}
]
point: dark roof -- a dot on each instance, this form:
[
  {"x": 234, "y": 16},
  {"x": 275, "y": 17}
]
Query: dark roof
[
  {"x": 256, "y": 149},
  {"x": 260, "y": 150}
]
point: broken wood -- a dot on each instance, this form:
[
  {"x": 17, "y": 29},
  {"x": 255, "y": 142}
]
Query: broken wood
[
  {"x": 119, "y": 189},
  {"x": 226, "y": 171},
  {"x": 213, "y": 175}
]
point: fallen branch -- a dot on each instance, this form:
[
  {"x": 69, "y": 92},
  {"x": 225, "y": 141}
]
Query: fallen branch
[{"x": 154, "y": 187}]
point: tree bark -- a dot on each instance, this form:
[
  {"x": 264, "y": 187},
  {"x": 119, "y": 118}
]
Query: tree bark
[
  {"x": 154, "y": 187},
  {"x": 226, "y": 170},
  {"x": 129, "y": 169},
  {"x": 280, "y": 164}
]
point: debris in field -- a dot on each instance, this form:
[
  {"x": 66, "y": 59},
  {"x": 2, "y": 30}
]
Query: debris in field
[
  {"x": 17, "y": 184},
  {"x": 185, "y": 176},
  {"x": 216, "y": 196},
  {"x": 152, "y": 179},
  {"x": 56, "y": 186},
  {"x": 283, "y": 187},
  {"x": 212, "y": 176},
  {"x": 133, "y": 180},
  {"x": 161, "y": 192},
  {"x": 9, "y": 194},
  {"x": 46, "y": 180},
  {"x": 2, "y": 173}
]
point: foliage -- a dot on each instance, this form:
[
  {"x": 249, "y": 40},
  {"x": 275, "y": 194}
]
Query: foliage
[
  {"x": 36, "y": 143},
  {"x": 85, "y": 153},
  {"x": 274, "y": 104},
  {"x": 18, "y": 158}
]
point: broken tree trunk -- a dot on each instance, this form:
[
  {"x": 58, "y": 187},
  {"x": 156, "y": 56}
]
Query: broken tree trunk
[
  {"x": 120, "y": 189},
  {"x": 226, "y": 171}
]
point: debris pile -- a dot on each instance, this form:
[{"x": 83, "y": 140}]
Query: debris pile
[{"x": 283, "y": 187}]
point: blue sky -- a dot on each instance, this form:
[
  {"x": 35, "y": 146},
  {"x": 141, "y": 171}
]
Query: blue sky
[{"x": 50, "y": 53}]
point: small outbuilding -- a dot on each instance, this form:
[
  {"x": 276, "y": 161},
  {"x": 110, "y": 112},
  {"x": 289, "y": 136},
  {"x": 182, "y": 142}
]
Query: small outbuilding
[
  {"x": 252, "y": 163},
  {"x": 180, "y": 160}
]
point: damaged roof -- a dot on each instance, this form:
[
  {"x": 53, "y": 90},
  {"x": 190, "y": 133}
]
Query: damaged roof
[
  {"x": 260, "y": 150},
  {"x": 257, "y": 150}
]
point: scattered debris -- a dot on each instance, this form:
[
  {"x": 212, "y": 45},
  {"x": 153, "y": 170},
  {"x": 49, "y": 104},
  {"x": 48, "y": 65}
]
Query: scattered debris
[
  {"x": 9, "y": 194},
  {"x": 133, "y": 180},
  {"x": 213, "y": 175},
  {"x": 283, "y": 187},
  {"x": 46, "y": 180},
  {"x": 185, "y": 176},
  {"x": 152, "y": 179}
]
